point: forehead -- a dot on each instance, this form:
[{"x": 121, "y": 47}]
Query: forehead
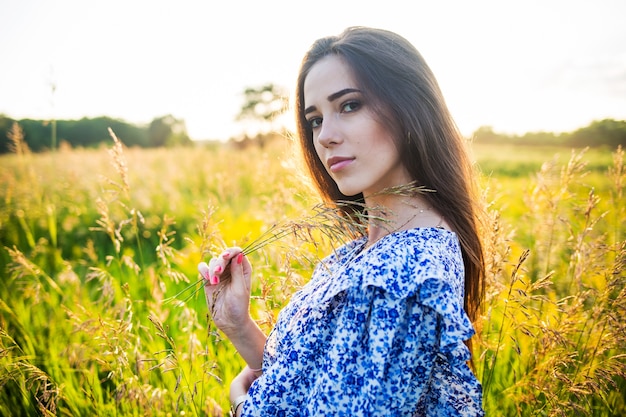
[{"x": 327, "y": 76}]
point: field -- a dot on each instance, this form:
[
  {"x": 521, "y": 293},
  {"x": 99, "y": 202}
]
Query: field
[{"x": 98, "y": 253}]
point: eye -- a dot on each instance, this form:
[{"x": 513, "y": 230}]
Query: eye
[
  {"x": 350, "y": 106},
  {"x": 315, "y": 122}
]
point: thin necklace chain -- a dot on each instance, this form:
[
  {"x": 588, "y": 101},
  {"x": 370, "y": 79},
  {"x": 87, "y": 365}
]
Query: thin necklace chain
[{"x": 400, "y": 227}]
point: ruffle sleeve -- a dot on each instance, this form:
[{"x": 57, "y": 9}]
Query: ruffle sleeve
[{"x": 430, "y": 268}]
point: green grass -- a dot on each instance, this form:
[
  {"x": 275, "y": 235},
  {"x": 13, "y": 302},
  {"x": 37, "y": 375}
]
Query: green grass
[{"x": 94, "y": 242}]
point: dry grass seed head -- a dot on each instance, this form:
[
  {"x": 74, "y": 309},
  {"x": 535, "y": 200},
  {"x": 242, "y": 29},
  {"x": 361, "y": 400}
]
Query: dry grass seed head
[
  {"x": 119, "y": 162},
  {"x": 17, "y": 144}
]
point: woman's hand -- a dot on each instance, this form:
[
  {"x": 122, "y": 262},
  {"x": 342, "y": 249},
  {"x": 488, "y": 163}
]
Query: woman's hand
[
  {"x": 240, "y": 386},
  {"x": 242, "y": 382},
  {"x": 227, "y": 290}
]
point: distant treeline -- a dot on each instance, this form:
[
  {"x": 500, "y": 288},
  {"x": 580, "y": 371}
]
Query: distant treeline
[
  {"x": 607, "y": 132},
  {"x": 41, "y": 135}
]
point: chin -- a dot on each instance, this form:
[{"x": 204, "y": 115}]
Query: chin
[{"x": 349, "y": 191}]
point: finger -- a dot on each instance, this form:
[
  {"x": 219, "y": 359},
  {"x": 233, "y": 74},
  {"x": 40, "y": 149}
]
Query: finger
[
  {"x": 240, "y": 271},
  {"x": 213, "y": 266},
  {"x": 220, "y": 270},
  {"x": 209, "y": 289},
  {"x": 230, "y": 253},
  {"x": 204, "y": 271}
]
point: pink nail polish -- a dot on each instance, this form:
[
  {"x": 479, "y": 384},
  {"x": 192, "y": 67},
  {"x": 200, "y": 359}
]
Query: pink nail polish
[
  {"x": 225, "y": 255},
  {"x": 218, "y": 269},
  {"x": 203, "y": 268},
  {"x": 215, "y": 280},
  {"x": 240, "y": 258}
]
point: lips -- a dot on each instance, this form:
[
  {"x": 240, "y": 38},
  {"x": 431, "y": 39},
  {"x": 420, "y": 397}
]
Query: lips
[{"x": 337, "y": 163}]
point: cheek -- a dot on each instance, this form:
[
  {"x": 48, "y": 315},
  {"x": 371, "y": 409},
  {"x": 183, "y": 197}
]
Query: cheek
[{"x": 317, "y": 148}]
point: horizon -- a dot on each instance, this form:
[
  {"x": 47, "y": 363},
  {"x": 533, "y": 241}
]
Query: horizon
[{"x": 238, "y": 137}]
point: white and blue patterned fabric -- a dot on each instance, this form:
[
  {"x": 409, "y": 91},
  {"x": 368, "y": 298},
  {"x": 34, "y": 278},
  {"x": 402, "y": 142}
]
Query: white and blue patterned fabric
[{"x": 377, "y": 331}]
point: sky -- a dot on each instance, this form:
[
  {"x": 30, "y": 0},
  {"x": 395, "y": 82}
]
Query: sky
[{"x": 517, "y": 66}]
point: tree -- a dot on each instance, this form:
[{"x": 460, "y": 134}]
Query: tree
[
  {"x": 485, "y": 134},
  {"x": 167, "y": 131},
  {"x": 86, "y": 132},
  {"x": 263, "y": 105},
  {"x": 600, "y": 132}
]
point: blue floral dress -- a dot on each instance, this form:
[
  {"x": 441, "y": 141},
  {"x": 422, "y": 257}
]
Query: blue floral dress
[{"x": 375, "y": 332}]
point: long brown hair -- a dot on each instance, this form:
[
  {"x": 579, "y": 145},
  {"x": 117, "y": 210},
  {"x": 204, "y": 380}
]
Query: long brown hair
[{"x": 393, "y": 76}]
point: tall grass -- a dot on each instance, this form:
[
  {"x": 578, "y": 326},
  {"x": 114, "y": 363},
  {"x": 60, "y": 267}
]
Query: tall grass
[
  {"x": 554, "y": 338},
  {"x": 98, "y": 247}
]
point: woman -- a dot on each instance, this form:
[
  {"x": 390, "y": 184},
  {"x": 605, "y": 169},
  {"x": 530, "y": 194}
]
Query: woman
[{"x": 382, "y": 328}]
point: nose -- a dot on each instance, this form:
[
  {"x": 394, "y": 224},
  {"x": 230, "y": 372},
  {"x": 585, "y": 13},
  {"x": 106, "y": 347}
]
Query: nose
[{"x": 328, "y": 134}]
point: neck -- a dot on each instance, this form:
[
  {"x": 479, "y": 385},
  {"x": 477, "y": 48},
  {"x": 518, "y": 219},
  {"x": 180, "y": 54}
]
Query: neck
[{"x": 394, "y": 213}]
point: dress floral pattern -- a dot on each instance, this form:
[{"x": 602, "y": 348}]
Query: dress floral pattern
[{"x": 375, "y": 332}]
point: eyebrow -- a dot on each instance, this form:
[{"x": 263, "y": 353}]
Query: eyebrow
[{"x": 333, "y": 97}]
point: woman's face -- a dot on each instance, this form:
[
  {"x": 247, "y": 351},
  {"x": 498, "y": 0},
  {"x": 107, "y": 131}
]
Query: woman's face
[{"x": 356, "y": 149}]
